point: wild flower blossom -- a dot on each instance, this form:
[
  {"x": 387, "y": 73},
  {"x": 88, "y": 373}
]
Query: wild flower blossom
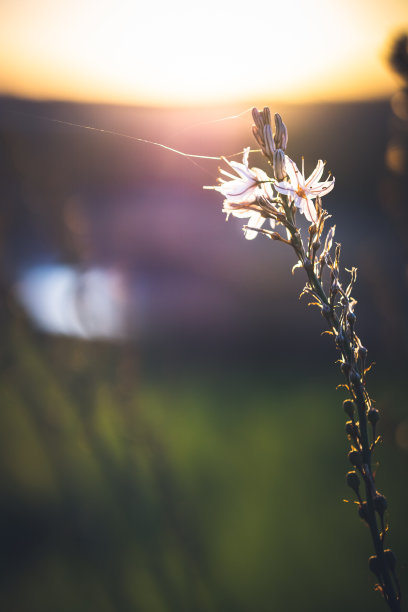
[
  {"x": 250, "y": 195},
  {"x": 303, "y": 191},
  {"x": 243, "y": 191},
  {"x": 250, "y": 183}
]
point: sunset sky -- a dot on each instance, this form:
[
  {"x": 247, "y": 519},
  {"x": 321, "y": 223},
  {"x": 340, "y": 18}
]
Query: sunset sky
[{"x": 162, "y": 53}]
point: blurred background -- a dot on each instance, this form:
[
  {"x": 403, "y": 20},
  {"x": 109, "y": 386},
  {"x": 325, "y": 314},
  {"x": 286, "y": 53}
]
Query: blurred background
[{"x": 171, "y": 438}]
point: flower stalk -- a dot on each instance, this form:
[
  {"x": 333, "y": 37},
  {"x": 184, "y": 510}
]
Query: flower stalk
[{"x": 258, "y": 202}]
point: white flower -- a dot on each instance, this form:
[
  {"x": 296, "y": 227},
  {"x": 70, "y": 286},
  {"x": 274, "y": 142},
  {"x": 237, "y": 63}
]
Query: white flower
[
  {"x": 303, "y": 191},
  {"x": 255, "y": 218},
  {"x": 250, "y": 183},
  {"x": 241, "y": 193}
]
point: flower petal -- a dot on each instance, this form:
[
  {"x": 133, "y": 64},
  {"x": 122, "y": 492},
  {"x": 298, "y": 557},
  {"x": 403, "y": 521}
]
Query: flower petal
[
  {"x": 265, "y": 186},
  {"x": 243, "y": 171},
  {"x": 245, "y": 156},
  {"x": 238, "y": 191},
  {"x": 309, "y": 210},
  {"x": 256, "y": 220},
  {"x": 316, "y": 174},
  {"x": 296, "y": 177},
  {"x": 225, "y": 173},
  {"x": 322, "y": 188},
  {"x": 285, "y": 188},
  {"x": 299, "y": 202}
]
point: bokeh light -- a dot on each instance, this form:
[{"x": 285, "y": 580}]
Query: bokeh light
[
  {"x": 80, "y": 303},
  {"x": 183, "y": 53}
]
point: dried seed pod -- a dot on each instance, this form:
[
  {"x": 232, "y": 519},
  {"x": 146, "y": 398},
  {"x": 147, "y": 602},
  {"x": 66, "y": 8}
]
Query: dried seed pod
[
  {"x": 348, "y": 406},
  {"x": 380, "y": 504},
  {"x": 373, "y": 416},
  {"x": 351, "y": 429},
  {"x": 362, "y": 351},
  {"x": 353, "y": 481},
  {"x": 355, "y": 458}
]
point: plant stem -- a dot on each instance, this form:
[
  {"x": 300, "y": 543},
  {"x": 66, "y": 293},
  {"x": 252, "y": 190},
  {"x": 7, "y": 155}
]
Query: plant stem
[
  {"x": 390, "y": 595},
  {"x": 361, "y": 400}
]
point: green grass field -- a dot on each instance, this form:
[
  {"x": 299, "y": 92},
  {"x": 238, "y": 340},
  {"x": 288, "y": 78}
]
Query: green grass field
[{"x": 211, "y": 491}]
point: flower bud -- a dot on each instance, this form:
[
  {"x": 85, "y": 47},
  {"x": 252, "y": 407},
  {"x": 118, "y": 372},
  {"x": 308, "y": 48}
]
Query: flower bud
[
  {"x": 269, "y": 142},
  {"x": 281, "y": 133},
  {"x": 355, "y": 458},
  {"x": 275, "y": 236},
  {"x": 390, "y": 559},
  {"x": 351, "y": 429},
  {"x": 373, "y": 416},
  {"x": 279, "y": 164},
  {"x": 353, "y": 481},
  {"x": 258, "y": 137},
  {"x": 266, "y": 115},
  {"x": 362, "y": 352},
  {"x": 348, "y": 407},
  {"x": 257, "y": 117},
  {"x": 380, "y": 504}
]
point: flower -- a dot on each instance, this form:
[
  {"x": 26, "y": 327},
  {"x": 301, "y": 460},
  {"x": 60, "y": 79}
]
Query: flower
[
  {"x": 241, "y": 193},
  {"x": 303, "y": 191},
  {"x": 255, "y": 218},
  {"x": 250, "y": 183}
]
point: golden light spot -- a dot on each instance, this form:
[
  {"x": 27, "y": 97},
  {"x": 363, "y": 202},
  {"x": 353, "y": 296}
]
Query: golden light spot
[
  {"x": 399, "y": 104},
  {"x": 395, "y": 158}
]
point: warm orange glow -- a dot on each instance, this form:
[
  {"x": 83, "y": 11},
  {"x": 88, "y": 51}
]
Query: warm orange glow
[{"x": 189, "y": 53}]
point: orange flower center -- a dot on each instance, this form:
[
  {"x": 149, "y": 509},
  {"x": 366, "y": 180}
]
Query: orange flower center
[{"x": 301, "y": 192}]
